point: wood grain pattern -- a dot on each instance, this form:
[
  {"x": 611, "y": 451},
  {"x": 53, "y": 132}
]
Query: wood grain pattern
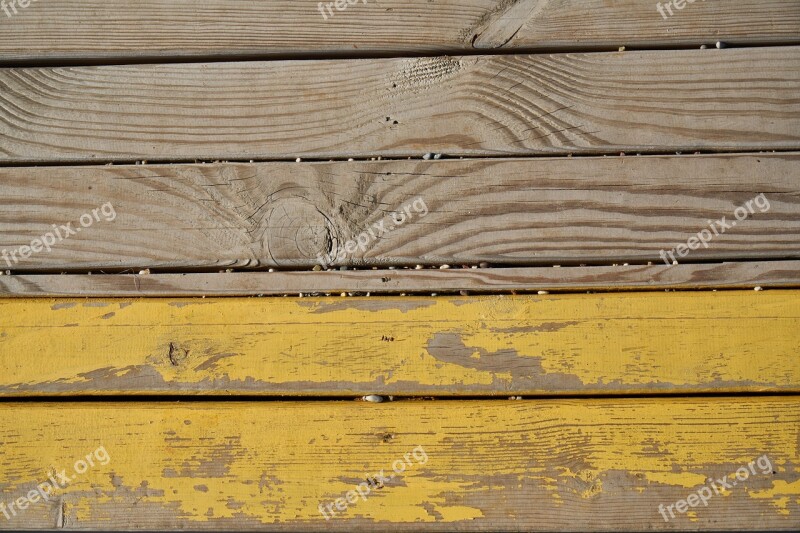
[
  {"x": 734, "y": 341},
  {"x": 638, "y": 434},
  {"x": 505, "y": 212},
  {"x": 106, "y": 29},
  {"x": 741, "y": 275},
  {"x": 662, "y": 101},
  {"x": 553, "y": 465}
]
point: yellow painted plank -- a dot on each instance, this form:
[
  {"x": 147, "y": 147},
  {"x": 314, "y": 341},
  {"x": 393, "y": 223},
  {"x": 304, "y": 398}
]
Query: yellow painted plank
[
  {"x": 479, "y": 465},
  {"x": 494, "y": 345}
]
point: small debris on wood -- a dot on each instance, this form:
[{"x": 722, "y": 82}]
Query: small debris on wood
[{"x": 374, "y": 398}]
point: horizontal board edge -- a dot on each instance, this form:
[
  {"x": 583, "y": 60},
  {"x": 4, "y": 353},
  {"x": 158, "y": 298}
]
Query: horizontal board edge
[{"x": 702, "y": 276}]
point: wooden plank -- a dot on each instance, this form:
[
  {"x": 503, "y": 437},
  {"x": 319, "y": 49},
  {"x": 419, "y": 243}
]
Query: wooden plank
[
  {"x": 662, "y": 101},
  {"x": 742, "y": 275},
  {"x": 504, "y": 212},
  {"x": 631, "y": 343},
  {"x": 117, "y": 29},
  {"x": 592, "y": 465}
]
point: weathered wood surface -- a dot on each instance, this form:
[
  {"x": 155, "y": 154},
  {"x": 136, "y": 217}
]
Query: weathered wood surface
[
  {"x": 742, "y": 275},
  {"x": 652, "y": 101},
  {"x": 731, "y": 341},
  {"x": 594, "y": 465},
  {"x": 505, "y": 212},
  {"x": 590, "y": 463},
  {"x": 157, "y": 29}
]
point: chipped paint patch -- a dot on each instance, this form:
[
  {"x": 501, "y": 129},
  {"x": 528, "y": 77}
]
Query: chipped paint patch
[{"x": 784, "y": 495}]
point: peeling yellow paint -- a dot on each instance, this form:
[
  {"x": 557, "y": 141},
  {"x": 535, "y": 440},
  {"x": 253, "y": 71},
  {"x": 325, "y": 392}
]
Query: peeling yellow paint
[
  {"x": 781, "y": 494},
  {"x": 637, "y": 342},
  {"x": 276, "y": 462},
  {"x": 688, "y": 480}
]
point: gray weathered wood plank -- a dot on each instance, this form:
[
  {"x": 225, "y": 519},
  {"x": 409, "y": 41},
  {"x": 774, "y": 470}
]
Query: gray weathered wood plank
[
  {"x": 741, "y": 275},
  {"x": 120, "y": 29},
  {"x": 501, "y": 211},
  {"x": 662, "y": 101}
]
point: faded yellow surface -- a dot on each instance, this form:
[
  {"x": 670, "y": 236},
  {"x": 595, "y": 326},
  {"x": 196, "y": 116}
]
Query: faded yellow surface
[
  {"x": 539, "y": 464},
  {"x": 638, "y": 342}
]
